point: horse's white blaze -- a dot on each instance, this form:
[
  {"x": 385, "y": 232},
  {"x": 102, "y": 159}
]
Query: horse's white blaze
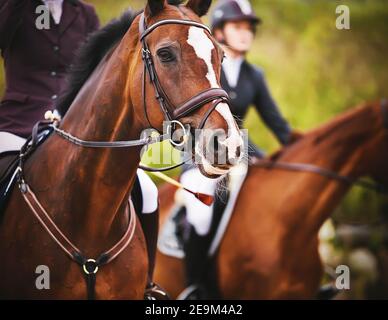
[
  {"x": 203, "y": 48},
  {"x": 234, "y": 139}
]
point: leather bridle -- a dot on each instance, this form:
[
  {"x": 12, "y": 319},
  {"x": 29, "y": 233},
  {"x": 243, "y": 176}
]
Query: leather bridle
[{"x": 171, "y": 112}]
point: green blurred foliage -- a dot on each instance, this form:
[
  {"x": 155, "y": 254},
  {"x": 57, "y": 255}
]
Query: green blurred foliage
[{"x": 314, "y": 70}]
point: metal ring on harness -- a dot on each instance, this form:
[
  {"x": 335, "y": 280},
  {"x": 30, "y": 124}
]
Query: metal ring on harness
[
  {"x": 169, "y": 133},
  {"x": 93, "y": 262}
]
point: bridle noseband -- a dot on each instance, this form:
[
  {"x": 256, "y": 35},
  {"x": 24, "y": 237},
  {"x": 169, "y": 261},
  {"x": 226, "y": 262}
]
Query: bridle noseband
[{"x": 171, "y": 112}]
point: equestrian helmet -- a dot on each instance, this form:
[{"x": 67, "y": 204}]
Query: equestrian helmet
[{"x": 233, "y": 10}]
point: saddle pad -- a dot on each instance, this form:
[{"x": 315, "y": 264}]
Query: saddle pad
[
  {"x": 170, "y": 244},
  {"x": 10, "y": 142}
]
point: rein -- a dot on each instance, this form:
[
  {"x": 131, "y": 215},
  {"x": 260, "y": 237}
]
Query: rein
[
  {"x": 107, "y": 144},
  {"x": 304, "y": 167},
  {"x": 53, "y": 124}
]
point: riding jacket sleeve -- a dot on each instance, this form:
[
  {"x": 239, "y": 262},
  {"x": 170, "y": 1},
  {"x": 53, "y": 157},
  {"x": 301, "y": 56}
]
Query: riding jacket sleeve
[
  {"x": 11, "y": 16},
  {"x": 268, "y": 110},
  {"x": 94, "y": 22}
]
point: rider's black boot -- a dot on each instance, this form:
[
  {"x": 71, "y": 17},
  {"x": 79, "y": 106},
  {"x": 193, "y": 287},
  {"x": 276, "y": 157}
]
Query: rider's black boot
[
  {"x": 196, "y": 249},
  {"x": 150, "y": 225}
]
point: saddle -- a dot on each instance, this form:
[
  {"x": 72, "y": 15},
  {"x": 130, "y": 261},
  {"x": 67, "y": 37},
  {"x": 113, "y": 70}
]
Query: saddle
[
  {"x": 8, "y": 166},
  {"x": 9, "y": 162}
]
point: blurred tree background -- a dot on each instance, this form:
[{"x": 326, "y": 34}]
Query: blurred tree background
[{"x": 315, "y": 71}]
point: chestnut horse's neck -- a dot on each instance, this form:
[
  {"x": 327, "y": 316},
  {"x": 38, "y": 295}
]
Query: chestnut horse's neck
[
  {"x": 86, "y": 189},
  {"x": 341, "y": 146}
]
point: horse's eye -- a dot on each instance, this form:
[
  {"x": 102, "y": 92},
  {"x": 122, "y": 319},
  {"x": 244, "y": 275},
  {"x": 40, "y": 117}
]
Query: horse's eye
[{"x": 165, "y": 55}]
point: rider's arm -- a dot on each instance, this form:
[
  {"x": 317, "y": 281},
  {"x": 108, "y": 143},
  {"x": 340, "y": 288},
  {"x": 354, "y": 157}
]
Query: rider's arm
[
  {"x": 11, "y": 15},
  {"x": 268, "y": 110}
]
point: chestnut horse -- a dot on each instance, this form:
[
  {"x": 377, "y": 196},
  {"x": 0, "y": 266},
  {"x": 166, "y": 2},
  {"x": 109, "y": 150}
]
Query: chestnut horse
[
  {"x": 270, "y": 248},
  {"x": 85, "y": 190}
]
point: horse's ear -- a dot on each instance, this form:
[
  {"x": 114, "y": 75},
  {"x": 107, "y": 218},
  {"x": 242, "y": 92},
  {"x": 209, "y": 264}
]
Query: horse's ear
[
  {"x": 200, "y": 7},
  {"x": 154, "y": 7}
]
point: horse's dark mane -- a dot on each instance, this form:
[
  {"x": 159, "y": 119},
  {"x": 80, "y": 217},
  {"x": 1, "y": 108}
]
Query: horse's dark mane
[{"x": 90, "y": 54}]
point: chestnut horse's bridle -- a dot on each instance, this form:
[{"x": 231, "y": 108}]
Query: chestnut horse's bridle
[{"x": 90, "y": 266}]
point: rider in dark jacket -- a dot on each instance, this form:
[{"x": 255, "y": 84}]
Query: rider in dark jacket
[{"x": 36, "y": 59}]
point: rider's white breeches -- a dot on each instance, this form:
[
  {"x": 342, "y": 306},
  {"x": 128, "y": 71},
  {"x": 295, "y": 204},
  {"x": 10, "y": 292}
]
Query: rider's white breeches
[
  {"x": 10, "y": 142},
  {"x": 149, "y": 192},
  {"x": 198, "y": 214}
]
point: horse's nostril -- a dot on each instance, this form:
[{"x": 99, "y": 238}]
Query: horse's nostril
[
  {"x": 238, "y": 152},
  {"x": 216, "y": 143}
]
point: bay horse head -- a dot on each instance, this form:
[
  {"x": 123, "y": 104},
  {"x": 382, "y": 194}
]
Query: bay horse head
[{"x": 179, "y": 64}]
